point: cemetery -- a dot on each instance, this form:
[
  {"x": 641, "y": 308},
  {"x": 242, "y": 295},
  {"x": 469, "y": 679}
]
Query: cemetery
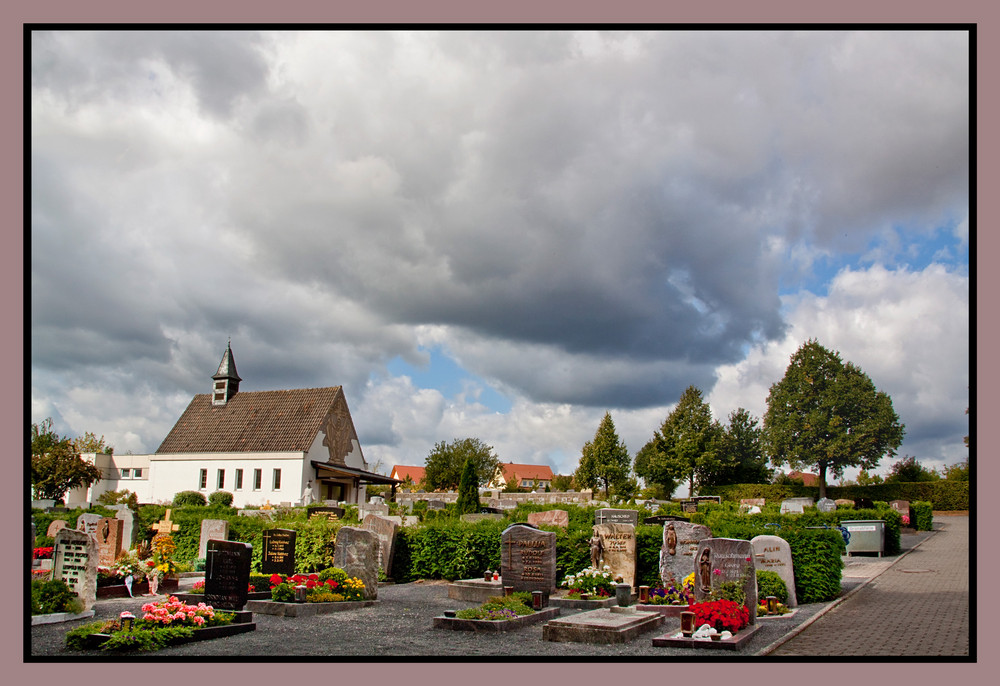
[{"x": 667, "y": 575}]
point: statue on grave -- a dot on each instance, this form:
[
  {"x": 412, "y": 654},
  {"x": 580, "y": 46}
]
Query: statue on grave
[
  {"x": 596, "y": 548},
  {"x": 106, "y": 531},
  {"x": 671, "y": 539},
  {"x": 307, "y": 494},
  {"x": 705, "y": 568}
]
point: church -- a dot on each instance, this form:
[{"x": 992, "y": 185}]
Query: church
[{"x": 265, "y": 447}]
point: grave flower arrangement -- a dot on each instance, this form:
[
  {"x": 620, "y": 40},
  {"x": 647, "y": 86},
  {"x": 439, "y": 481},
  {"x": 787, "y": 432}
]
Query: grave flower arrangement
[
  {"x": 163, "y": 556},
  {"x": 721, "y": 615},
  {"x": 44, "y": 553},
  {"x": 682, "y": 594},
  {"x": 318, "y": 591},
  {"x": 500, "y": 608},
  {"x": 597, "y": 582}
]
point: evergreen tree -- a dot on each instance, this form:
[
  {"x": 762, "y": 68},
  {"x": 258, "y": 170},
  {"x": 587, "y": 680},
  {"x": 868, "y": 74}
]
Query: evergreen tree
[
  {"x": 605, "y": 461},
  {"x": 468, "y": 489}
]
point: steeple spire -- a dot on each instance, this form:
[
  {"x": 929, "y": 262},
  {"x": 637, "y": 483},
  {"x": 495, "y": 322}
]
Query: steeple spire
[{"x": 226, "y": 382}]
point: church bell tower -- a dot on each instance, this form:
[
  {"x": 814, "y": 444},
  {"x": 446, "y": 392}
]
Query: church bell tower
[{"x": 225, "y": 382}]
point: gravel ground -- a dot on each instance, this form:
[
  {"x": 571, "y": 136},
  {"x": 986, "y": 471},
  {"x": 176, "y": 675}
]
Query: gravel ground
[{"x": 401, "y": 625}]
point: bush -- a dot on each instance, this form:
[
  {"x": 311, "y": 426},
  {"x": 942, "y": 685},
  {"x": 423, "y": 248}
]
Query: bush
[
  {"x": 48, "y": 597},
  {"x": 923, "y": 513},
  {"x": 770, "y": 583},
  {"x": 188, "y": 498},
  {"x": 220, "y": 499},
  {"x": 335, "y": 573},
  {"x": 123, "y": 497}
]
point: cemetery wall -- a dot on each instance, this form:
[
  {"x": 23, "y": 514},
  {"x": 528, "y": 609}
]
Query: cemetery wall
[{"x": 944, "y": 495}]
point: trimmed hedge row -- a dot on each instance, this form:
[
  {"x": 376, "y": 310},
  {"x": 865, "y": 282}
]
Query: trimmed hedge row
[
  {"x": 944, "y": 495},
  {"x": 923, "y": 512}
]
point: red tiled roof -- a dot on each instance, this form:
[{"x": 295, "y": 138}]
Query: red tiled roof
[
  {"x": 400, "y": 472},
  {"x": 255, "y": 421},
  {"x": 515, "y": 473},
  {"x": 807, "y": 478}
]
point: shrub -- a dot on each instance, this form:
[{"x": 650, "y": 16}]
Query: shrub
[
  {"x": 770, "y": 583},
  {"x": 76, "y": 639},
  {"x": 123, "y": 497},
  {"x": 220, "y": 499},
  {"x": 187, "y": 499},
  {"x": 923, "y": 512},
  {"x": 48, "y": 597},
  {"x": 335, "y": 573}
]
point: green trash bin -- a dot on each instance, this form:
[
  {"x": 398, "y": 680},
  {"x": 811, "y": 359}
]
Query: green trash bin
[{"x": 867, "y": 536}]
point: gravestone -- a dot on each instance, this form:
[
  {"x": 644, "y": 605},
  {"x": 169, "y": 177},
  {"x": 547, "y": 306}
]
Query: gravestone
[
  {"x": 212, "y": 528},
  {"x": 863, "y": 504},
  {"x": 528, "y": 558},
  {"x": 227, "y": 574},
  {"x": 795, "y": 505},
  {"x": 165, "y": 525},
  {"x": 904, "y": 509},
  {"x": 490, "y": 510},
  {"x": 376, "y": 508},
  {"x": 75, "y": 562},
  {"x": 826, "y": 505},
  {"x": 677, "y": 554},
  {"x": 127, "y": 517},
  {"x": 707, "y": 499},
  {"x": 492, "y": 502},
  {"x": 747, "y": 503},
  {"x": 87, "y": 523},
  {"x": 719, "y": 560},
  {"x": 277, "y": 555},
  {"x": 435, "y": 505},
  {"x": 109, "y": 541},
  {"x": 385, "y": 529},
  {"x": 843, "y": 501},
  {"x": 331, "y": 513},
  {"x": 613, "y": 516},
  {"x": 55, "y": 527},
  {"x": 549, "y": 517},
  {"x": 618, "y": 550},
  {"x": 663, "y": 519},
  {"x": 773, "y": 554},
  {"x": 356, "y": 552},
  {"x": 507, "y": 504},
  {"x": 689, "y": 506}
]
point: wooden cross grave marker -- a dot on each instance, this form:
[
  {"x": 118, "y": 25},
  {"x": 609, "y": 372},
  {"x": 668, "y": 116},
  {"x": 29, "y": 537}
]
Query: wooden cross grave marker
[{"x": 165, "y": 526}]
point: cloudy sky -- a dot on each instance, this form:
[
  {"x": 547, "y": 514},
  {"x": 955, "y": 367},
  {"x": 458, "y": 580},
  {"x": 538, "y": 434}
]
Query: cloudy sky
[{"x": 493, "y": 234}]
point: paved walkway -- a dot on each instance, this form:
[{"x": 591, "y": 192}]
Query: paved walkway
[{"x": 917, "y": 606}]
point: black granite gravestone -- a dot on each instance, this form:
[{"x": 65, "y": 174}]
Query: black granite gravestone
[
  {"x": 227, "y": 574},
  {"x": 331, "y": 513},
  {"x": 661, "y": 519},
  {"x": 863, "y": 504},
  {"x": 278, "y": 552}
]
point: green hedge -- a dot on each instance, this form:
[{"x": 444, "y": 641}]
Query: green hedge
[
  {"x": 943, "y": 495},
  {"x": 450, "y": 550},
  {"x": 923, "y": 512}
]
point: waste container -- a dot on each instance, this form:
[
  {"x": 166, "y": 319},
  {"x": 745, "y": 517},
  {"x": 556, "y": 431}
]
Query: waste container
[{"x": 866, "y": 535}]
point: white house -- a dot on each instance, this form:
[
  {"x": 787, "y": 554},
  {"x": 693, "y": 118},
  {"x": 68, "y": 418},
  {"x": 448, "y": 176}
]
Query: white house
[{"x": 262, "y": 446}]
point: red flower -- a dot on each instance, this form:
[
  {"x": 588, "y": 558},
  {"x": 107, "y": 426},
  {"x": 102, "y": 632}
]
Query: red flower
[
  {"x": 275, "y": 580},
  {"x": 310, "y": 583},
  {"x": 313, "y": 577},
  {"x": 331, "y": 583}
]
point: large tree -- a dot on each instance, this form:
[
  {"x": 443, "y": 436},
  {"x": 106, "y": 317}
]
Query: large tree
[
  {"x": 686, "y": 447},
  {"x": 444, "y": 464},
  {"x": 908, "y": 470},
  {"x": 827, "y": 414},
  {"x": 740, "y": 453},
  {"x": 468, "y": 489},
  {"x": 605, "y": 462},
  {"x": 56, "y": 466}
]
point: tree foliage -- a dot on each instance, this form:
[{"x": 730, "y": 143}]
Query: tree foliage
[
  {"x": 957, "y": 472},
  {"x": 686, "y": 447},
  {"x": 468, "y": 489},
  {"x": 56, "y": 467},
  {"x": 444, "y": 465},
  {"x": 605, "y": 462},
  {"x": 741, "y": 458},
  {"x": 827, "y": 414},
  {"x": 908, "y": 470},
  {"x": 562, "y": 482},
  {"x": 90, "y": 443}
]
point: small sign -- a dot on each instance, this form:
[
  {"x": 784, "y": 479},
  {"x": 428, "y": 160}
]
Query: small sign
[{"x": 866, "y": 527}]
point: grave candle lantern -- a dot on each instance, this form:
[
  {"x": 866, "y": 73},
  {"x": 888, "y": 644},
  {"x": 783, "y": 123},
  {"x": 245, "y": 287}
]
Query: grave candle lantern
[
  {"x": 300, "y": 594},
  {"x": 487, "y": 575},
  {"x": 508, "y": 590},
  {"x": 643, "y": 594},
  {"x": 772, "y": 604},
  {"x": 687, "y": 624},
  {"x": 536, "y": 600},
  {"x": 127, "y": 621}
]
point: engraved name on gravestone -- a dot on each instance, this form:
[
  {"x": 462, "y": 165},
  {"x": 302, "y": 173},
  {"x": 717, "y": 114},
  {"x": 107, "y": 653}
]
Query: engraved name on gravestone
[
  {"x": 550, "y": 518},
  {"x": 773, "y": 554},
  {"x": 689, "y": 506},
  {"x": 211, "y": 528},
  {"x": 904, "y": 509},
  {"x": 795, "y": 505},
  {"x": 826, "y": 505},
  {"x": 528, "y": 558},
  {"x": 331, "y": 513},
  {"x": 663, "y": 519},
  {"x": 719, "y": 560},
  {"x": 618, "y": 550},
  {"x": 680, "y": 543},
  {"x": 435, "y": 505},
  {"x": 277, "y": 555},
  {"x": 606, "y": 515},
  {"x": 109, "y": 541},
  {"x": 385, "y": 529},
  {"x": 227, "y": 574},
  {"x": 356, "y": 552},
  {"x": 87, "y": 523},
  {"x": 75, "y": 562}
]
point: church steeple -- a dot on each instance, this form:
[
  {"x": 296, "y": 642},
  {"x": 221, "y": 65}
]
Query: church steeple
[{"x": 226, "y": 382}]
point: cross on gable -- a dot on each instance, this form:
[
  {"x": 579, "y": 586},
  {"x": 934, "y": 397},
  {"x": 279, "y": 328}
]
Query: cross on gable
[{"x": 165, "y": 526}]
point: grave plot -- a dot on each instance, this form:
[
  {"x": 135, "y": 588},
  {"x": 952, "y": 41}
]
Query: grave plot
[
  {"x": 678, "y": 640},
  {"x": 609, "y": 625}
]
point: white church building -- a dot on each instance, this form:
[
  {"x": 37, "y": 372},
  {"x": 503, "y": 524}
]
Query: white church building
[{"x": 264, "y": 447}]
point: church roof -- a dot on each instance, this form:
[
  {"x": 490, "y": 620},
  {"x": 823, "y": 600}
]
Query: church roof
[
  {"x": 252, "y": 421},
  {"x": 227, "y": 367}
]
